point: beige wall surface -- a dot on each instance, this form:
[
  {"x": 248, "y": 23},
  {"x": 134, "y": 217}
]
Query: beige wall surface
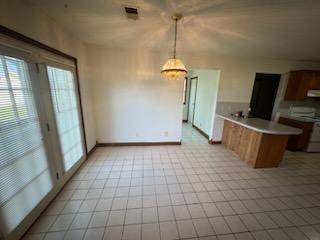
[{"x": 132, "y": 101}]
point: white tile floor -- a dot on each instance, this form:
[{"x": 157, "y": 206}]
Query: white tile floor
[{"x": 196, "y": 190}]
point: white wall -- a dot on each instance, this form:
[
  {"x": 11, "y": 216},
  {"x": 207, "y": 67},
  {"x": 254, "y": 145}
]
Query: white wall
[
  {"x": 206, "y": 97},
  {"x": 132, "y": 101},
  {"x": 32, "y": 23}
]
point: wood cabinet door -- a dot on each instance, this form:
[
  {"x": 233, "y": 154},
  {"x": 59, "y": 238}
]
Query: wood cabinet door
[
  {"x": 249, "y": 146},
  {"x": 296, "y": 88},
  {"x": 235, "y": 143},
  {"x": 231, "y": 135},
  {"x": 315, "y": 81},
  {"x": 300, "y": 82},
  {"x": 235, "y": 137},
  {"x": 226, "y": 133}
]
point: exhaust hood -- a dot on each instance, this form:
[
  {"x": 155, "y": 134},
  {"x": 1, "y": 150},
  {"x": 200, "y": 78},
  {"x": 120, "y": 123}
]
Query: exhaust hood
[{"x": 313, "y": 93}]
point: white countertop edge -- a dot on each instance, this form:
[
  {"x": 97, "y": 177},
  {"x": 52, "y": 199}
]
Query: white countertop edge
[{"x": 288, "y": 131}]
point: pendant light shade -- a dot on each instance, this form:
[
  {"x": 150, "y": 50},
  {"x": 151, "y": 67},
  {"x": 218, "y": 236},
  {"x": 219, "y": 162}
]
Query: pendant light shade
[{"x": 174, "y": 68}]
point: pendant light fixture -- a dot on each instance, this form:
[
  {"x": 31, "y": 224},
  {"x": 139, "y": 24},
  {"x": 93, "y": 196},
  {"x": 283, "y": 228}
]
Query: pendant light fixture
[{"x": 174, "y": 69}]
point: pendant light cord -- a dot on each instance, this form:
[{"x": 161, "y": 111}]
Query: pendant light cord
[{"x": 175, "y": 38}]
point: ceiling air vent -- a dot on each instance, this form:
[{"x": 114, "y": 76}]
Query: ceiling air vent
[{"x": 132, "y": 12}]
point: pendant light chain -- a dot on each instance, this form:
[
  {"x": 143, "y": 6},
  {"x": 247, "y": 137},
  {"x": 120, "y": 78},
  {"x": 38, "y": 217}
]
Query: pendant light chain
[
  {"x": 174, "y": 68},
  {"x": 175, "y": 38}
]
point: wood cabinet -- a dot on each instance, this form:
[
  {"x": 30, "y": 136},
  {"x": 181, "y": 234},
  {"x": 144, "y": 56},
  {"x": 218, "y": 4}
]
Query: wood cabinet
[
  {"x": 299, "y": 82},
  {"x": 298, "y": 142},
  {"x": 315, "y": 81},
  {"x": 232, "y": 134},
  {"x": 258, "y": 149}
]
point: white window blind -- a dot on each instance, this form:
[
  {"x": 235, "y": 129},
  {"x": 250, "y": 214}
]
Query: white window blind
[
  {"x": 24, "y": 175},
  {"x": 63, "y": 94}
]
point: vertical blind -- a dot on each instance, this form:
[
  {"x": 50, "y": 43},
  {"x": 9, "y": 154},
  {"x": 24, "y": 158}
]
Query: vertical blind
[
  {"x": 24, "y": 173},
  {"x": 63, "y": 94}
]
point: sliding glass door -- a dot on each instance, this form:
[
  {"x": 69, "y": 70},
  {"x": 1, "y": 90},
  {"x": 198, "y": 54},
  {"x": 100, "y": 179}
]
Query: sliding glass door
[
  {"x": 66, "y": 110},
  {"x": 25, "y": 176},
  {"x": 41, "y": 135}
]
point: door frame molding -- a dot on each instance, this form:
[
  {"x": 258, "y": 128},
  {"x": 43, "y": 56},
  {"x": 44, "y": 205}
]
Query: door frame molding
[
  {"x": 195, "y": 97},
  {"x": 187, "y": 92}
]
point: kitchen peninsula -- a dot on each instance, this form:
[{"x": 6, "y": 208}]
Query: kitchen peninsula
[{"x": 256, "y": 141}]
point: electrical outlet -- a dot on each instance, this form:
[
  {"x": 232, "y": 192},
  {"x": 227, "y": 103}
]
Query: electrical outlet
[
  {"x": 137, "y": 134},
  {"x": 166, "y": 134}
]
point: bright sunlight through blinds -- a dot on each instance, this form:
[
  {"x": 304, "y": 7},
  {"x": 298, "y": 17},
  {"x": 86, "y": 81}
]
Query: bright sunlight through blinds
[
  {"x": 24, "y": 175},
  {"x": 64, "y": 100}
]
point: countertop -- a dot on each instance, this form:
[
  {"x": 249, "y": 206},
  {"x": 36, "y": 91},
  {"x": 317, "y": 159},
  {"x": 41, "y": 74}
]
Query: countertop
[{"x": 263, "y": 126}]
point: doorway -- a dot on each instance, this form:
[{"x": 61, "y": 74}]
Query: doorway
[
  {"x": 199, "y": 111},
  {"x": 192, "y": 99},
  {"x": 264, "y": 94}
]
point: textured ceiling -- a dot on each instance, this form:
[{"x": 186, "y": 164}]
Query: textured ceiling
[{"x": 286, "y": 29}]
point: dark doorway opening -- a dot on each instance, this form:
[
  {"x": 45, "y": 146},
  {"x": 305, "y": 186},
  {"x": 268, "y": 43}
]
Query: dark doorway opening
[{"x": 264, "y": 94}]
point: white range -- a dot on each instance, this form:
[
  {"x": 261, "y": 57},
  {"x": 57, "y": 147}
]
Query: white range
[{"x": 310, "y": 115}]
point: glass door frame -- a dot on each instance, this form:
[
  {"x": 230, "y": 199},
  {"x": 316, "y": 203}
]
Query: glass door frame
[
  {"x": 30, "y": 59},
  {"x": 62, "y": 175},
  {"x": 35, "y": 82}
]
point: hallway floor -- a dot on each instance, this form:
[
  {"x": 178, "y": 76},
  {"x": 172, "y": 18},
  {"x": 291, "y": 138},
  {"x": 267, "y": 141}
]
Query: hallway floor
[
  {"x": 195, "y": 190},
  {"x": 190, "y": 136}
]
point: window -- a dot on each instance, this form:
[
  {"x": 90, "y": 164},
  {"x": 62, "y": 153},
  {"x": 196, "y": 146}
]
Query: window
[
  {"x": 185, "y": 86},
  {"x": 24, "y": 170}
]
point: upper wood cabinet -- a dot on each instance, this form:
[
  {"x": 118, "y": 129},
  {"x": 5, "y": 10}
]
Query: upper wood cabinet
[
  {"x": 315, "y": 81},
  {"x": 299, "y": 82}
]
